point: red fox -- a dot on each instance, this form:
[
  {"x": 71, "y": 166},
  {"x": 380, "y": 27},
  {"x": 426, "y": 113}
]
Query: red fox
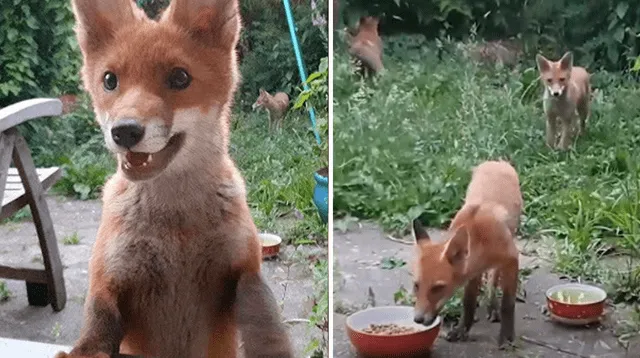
[
  {"x": 366, "y": 45},
  {"x": 175, "y": 270},
  {"x": 275, "y": 105},
  {"x": 566, "y": 90},
  {"x": 480, "y": 239}
]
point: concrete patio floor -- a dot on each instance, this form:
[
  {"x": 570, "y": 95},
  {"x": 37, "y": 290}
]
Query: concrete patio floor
[
  {"x": 289, "y": 279},
  {"x": 358, "y": 254}
]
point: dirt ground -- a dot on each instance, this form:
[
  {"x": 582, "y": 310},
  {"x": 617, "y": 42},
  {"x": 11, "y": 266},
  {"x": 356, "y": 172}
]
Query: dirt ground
[
  {"x": 289, "y": 278},
  {"x": 358, "y": 254}
]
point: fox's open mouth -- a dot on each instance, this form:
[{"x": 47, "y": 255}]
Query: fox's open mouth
[{"x": 141, "y": 166}]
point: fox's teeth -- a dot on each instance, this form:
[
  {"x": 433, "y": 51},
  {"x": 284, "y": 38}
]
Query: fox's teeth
[
  {"x": 127, "y": 166},
  {"x": 145, "y": 164},
  {"x": 150, "y": 158}
]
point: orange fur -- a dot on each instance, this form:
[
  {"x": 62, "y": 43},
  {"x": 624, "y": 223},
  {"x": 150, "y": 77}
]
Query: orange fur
[
  {"x": 366, "y": 45},
  {"x": 567, "y": 95},
  {"x": 480, "y": 239},
  {"x": 275, "y": 105},
  {"x": 176, "y": 263}
]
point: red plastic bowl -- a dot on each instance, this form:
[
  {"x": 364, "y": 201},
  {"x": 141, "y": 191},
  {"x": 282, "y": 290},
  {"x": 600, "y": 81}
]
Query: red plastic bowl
[
  {"x": 270, "y": 245},
  {"x": 403, "y": 345},
  {"x": 591, "y": 309}
]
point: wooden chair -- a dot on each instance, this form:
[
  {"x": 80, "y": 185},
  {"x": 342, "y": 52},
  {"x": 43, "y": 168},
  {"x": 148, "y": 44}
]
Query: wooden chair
[{"x": 26, "y": 185}]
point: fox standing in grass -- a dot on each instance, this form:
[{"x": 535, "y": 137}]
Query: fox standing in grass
[
  {"x": 566, "y": 91},
  {"x": 175, "y": 269},
  {"x": 366, "y": 45},
  {"x": 276, "y": 106},
  {"x": 481, "y": 239}
]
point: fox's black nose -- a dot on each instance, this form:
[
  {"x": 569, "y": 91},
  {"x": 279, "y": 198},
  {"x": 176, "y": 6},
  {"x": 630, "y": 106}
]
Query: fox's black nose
[
  {"x": 555, "y": 94},
  {"x": 127, "y": 133},
  {"x": 419, "y": 318}
]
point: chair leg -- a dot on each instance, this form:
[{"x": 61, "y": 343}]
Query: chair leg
[
  {"x": 38, "y": 294},
  {"x": 44, "y": 226}
]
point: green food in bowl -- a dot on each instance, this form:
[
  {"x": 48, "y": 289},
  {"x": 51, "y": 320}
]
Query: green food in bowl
[
  {"x": 575, "y": 296},
  {"x": 269, "y": 242}
]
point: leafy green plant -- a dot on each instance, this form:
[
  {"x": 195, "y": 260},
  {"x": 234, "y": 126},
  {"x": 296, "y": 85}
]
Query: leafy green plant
[
  {"x": 39, "y": 52},
  {"x": 547, "y": 26},
  {"x": 317, "y": 95},
  {"x": 20, "y": 215},
  {"x": 5, "y": 293},
  {"x": 624, "y": 285},
  {"x": 266, "y": 41},
  {"x": 72, "y": 239},
  {"x": 320, "y": 312}
]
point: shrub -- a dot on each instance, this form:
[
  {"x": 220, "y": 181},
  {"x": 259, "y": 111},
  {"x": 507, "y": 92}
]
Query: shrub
[
  {"x": 39, "y": 54},
  {"x": 270, "y": 62},
  {"x": 601, "y": 33}
]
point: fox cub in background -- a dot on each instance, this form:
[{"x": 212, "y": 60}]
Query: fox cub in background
[
  {"x": 566, "y": 91},
  {"x": 481, "y": 239},
  {"x": 176, "y": 267},
  {"x": 276, "y": 106},
  {"x": 366, "y": 46}
]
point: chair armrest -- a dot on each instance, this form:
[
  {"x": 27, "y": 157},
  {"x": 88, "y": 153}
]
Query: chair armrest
[{"x": 23, "y": 111}]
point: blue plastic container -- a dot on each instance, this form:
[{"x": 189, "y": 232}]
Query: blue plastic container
[{"x": 321, "y": 195}]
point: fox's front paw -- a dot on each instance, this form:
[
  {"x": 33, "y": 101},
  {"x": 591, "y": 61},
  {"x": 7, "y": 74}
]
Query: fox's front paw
[
  {"x": 505, "y": 340},
  {"x": 457, "y": 334},
  {"x": 70, "y": 355}
]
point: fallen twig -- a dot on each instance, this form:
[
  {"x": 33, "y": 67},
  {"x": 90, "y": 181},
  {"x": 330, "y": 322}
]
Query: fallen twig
[
  {"x": 550, "y": 346},
  {"x": 296, "y": 320},
  {"x": 405, "y": 242}
]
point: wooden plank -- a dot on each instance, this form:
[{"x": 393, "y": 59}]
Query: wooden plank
[
  {"x": 7, "y": 140},
  {"x": 24, "y": 274},
  {"x": 42, "y": 172},
  {"x": 14, "y": 186},
  {"x": 14, "y": 176},
  {"x": 21, "y": 112},
  {"x": 42, "y": 220},
  {"x": 14, "y": 200}
]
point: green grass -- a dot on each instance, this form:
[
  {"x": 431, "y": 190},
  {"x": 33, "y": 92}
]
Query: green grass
[
  {"x": 72, "y": 239},
  {"x": 405, "y": 143},
  {"x": 5, "y": 294},
  {"x": 278, "y": 168}
]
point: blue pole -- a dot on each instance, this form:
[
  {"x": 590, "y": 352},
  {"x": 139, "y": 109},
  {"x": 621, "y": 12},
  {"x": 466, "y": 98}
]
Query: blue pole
[{"x": 303, "y": 74}]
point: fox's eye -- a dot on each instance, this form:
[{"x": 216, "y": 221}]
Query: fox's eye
[
  {"x": 110, "y": 81},
  {"x": 562, "y": 79},
  {"x": 415, "y": 287},
  {"x": 179, "y": 79},
  {"x": 548, "y": 80}
]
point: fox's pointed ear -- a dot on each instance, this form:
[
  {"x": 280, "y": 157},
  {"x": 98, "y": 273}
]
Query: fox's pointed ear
[
  {"x": 419, "y": 232},
  {"x": 542, "y": 62},
  {"x": 214, "y": 23},
  {"x": 262, "y": 91},
  {"x": 566, "y": 62},
  {"x": 97, "y": 20},
  {"x": 458, "y": 246}
]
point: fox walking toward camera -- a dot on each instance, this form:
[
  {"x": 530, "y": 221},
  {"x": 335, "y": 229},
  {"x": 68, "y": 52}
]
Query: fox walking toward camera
[
  {"x": 366, "y": 46},
  {"x": 276, "y": 106},
  {"x": 566, "y": 91},
  {"x": 175, "y": 269},
  {"x": 480, "y": 239}
]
